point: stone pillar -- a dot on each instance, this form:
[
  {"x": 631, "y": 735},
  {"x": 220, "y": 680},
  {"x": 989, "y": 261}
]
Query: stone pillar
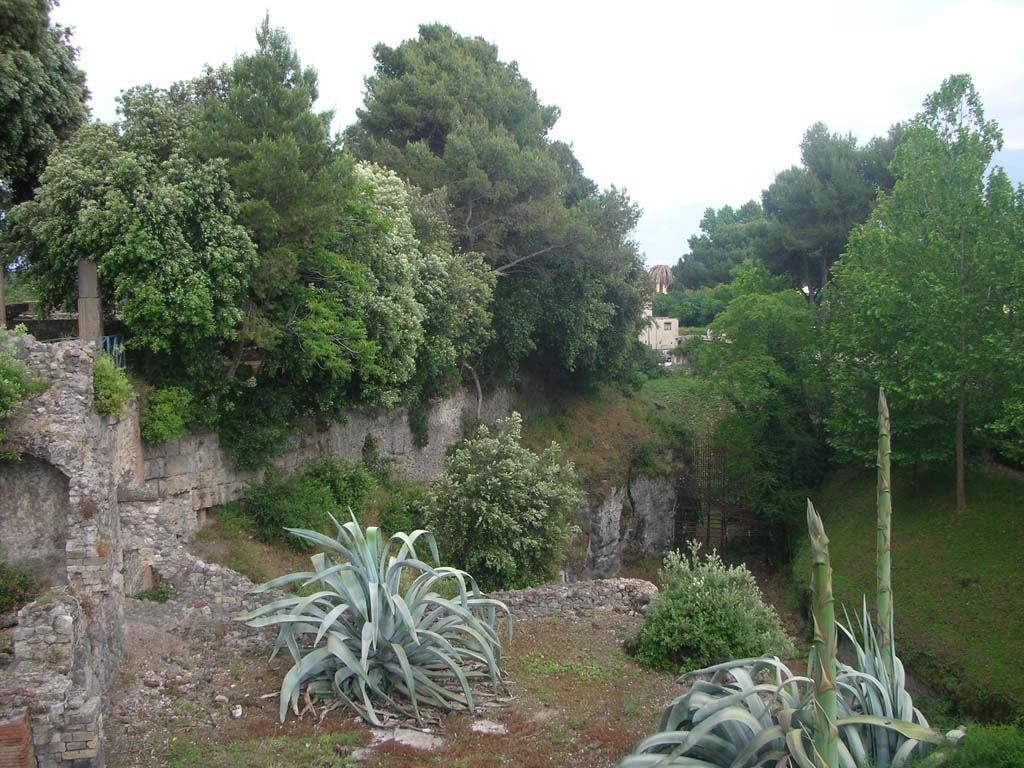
[
  {"x": 3, "y": 301},
  {"x": 90, "y": 319}
]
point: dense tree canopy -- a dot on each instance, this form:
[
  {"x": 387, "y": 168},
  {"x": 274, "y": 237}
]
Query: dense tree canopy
[
  {"x": 42, "y": 94},
  {"x": 159, "y": 223},
  {"x": 926, "y": 301},
  {"x": 445, "y": 113}
]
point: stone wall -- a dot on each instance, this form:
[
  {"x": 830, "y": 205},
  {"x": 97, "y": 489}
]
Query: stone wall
[
  {"x": 33, "y": 518},
  {"x": 51, "y": 700},
  {"x": 67, "y": 649},
  {"x": 187, "y": 476}
]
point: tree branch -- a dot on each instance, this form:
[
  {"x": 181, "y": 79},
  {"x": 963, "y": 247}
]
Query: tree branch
[{"x": 505, "y": 268}]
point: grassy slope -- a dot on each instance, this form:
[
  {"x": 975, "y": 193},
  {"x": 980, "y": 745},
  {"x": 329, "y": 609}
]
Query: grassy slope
[
  {"x": 957, "y": 581},
  {"x": 606, "y": 432}
]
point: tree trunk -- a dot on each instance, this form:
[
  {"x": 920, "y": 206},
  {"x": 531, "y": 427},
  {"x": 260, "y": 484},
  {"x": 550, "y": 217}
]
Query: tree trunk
[
  {"x": 3, "y": 305},
  {"x": 961, "y": 418}
]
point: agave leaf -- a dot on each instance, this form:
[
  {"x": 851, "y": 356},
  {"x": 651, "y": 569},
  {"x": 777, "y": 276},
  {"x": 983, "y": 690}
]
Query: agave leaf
[
  {"x": 909, "y": 730},
  {"x": 795, "y": 742},
  {"x": 310, "y": 664}
]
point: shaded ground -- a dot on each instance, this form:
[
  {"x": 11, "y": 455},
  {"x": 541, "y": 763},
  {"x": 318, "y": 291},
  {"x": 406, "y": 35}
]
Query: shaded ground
[{"x": 576, "y": 700}]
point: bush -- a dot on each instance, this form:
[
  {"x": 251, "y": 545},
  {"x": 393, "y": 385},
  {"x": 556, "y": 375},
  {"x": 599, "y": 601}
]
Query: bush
[
  {"x": 17, "y": 588},
  {"x": 167, "y": 415},
  {"x": 111, "y": 388},
  {"x": 705, "y": 613},
  {"x": 13, "y": 387},
  {"x": 402, "y": 506},
  {"x": 305, "y": 499},
  {"x": 990, "y": 746},
  {"x": 350, "y": 485},
  {"x": 500, "y": 511},
  {"x": 378, "y": 632},
  {"x": 281, "y": 502}
]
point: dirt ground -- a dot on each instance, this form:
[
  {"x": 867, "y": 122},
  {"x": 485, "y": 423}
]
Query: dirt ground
[{"x": 574, "y": 698}]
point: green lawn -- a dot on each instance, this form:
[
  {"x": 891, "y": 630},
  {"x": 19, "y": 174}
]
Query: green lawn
[{"x": 958, "y": 581}]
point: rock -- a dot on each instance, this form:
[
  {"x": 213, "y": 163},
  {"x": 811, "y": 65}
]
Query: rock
[
  {"x": 488, "y": 726},
  {"x": 236, "y": 711},
  {"x": 956, "y": 735},
  {"x": 220, "y": 698}
]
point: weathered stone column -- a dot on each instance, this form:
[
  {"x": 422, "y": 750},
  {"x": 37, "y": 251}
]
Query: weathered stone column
[{"x": 90, "y": 319}]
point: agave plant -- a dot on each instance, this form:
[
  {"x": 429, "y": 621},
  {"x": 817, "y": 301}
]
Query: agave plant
[
  {"x": 843, "y": 716},
  {"x": 376, "y": 632}
]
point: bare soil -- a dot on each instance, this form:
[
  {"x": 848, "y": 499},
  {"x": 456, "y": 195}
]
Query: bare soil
[{"x": 574, "y": 699}]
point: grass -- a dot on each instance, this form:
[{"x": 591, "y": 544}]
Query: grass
[
  {"x": 329, "y": 750},
  {"x": 607, "y": 432},
  {"x": 958, "y": 602}
]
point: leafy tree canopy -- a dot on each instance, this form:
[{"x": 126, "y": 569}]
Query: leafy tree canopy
[
  {"x": 42, "y": 94},
  {"x": 445, "y": 113},
  {"x": 926, "y": 300}
]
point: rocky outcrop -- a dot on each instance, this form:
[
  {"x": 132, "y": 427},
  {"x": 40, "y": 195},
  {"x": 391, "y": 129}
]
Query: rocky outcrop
[
  {"x": 638, "y": 518},
  {"x": 581, "y": 598}
]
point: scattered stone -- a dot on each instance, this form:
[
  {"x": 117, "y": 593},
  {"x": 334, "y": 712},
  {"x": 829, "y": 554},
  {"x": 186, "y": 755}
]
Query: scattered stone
[
  {"x": 220, "y": 698},
  {"x": 236, "y": 711},
  {"x": 489, "y": 727},
  {"x": 956, "y": 735}
]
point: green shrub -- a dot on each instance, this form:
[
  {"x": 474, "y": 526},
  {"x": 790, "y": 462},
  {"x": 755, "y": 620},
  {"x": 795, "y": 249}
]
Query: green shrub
[
  {"x": 350, "y": 485},
  {"x": 167, "y": 415},
  {"x": 402, "y": 507},
  {"x": 705, "y": 613},
  {"x": 281, "y": 502},
  {"x": 369, "y": 637},
  {"x": 17, "y": 588},
  {"x": 990, "y": 746},
  {"x": 500, "y": 511},
  {"x": 111, "y": 388},
  {"x": 160, "y": 592},
  {"x": 13, "y": 388}
]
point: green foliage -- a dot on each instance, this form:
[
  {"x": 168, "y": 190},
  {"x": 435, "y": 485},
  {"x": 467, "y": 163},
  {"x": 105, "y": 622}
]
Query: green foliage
[
  {"x": 167, "y": 415},
  {"x": 350, "y": 484},
  {"x": 306, "y": 499},
  {"x": 403, "y": 506},
  {"x": 14, "y": 386},
  {"x": 17, "y": 587},
  {"x": 503, "y": 511},
  {"x": 705, "y": 613},
  {"x": 924, "y": 301},
  {"x": 160, "y": 592},
  {"x": 43, "y": 95},
  {"x": 380, "y": 634},
  {"x": 990, "y": 746},
  {"x": 281, "y": 502},
  {"x": 693, "y": 308},
  {"x": 764, "y": 362},
  {"x": 728, "y": 237},
  {"x": 110, "y": 387},
  {"x": 448, "y": 115}
]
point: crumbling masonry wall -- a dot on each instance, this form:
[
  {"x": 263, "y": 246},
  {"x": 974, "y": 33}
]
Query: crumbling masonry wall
[{"x": 68, "y": 644}]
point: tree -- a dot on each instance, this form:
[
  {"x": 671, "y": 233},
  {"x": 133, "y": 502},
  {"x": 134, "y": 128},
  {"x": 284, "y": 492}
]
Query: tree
[
  {"x": 926, "y": 300},
  {"x": 764, "y": 360},
  {"x": 42, "y": 94},
  {"x": 812, "y": 207},
  {"x": 160, "y": 225},
  {"x": 728, "y": 237},
  {"x": 500, "y": 511},
  {"x": 446, "y": 114},
  {"x": 42, "y": 102}
]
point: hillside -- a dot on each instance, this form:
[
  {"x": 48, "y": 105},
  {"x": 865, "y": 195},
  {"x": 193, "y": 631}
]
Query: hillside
[
  {"x": 606, "y": 432},
  {"x": 957, "y": 580}
]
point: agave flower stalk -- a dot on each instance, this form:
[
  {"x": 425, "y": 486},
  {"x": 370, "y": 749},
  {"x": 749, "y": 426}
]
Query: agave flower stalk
[
  {"x": 823, "y": 652},
  {"x": 883, "y": 558}
]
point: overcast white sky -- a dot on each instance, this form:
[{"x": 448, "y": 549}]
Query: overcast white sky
[{"x": 686, "y": 105}]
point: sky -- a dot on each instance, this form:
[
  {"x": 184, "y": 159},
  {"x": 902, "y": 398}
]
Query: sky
[{"x": 685, "y": 105}]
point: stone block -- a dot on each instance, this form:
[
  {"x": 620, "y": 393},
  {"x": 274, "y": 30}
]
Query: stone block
[
  {"x": 173, "y": 486},
  {"x": 183, "y": 464}
]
